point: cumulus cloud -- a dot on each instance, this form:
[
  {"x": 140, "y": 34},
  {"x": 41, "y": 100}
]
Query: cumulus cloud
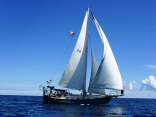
[
  {"x": 149, "y": 84},
  {"x": 132, "y": 86},
  {"x": 151, "y": 66}
]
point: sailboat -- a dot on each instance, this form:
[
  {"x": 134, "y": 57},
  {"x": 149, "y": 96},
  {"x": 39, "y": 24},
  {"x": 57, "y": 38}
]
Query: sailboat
[{"x": 105, "y": 76}]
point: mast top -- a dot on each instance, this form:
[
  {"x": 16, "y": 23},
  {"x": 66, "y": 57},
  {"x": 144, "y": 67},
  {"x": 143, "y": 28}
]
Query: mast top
[{"x": 88, "y": 7}]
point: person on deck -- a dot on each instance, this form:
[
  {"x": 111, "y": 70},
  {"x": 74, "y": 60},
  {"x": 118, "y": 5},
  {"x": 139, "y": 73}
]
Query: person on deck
[{"x": 122, "y": 91}]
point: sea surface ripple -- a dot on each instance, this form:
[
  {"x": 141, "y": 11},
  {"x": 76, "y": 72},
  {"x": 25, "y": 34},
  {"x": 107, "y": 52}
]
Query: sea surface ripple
[{"x": 32, "y": 106}]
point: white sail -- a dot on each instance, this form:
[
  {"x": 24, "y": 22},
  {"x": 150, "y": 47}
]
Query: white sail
[
  {"x": 74, "y": 76},
  {"x": 108, "y": 75},
  {"x": 93, "y": 73}
]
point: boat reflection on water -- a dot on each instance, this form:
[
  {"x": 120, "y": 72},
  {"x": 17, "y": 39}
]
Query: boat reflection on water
[{"x": 90, "y": 110}]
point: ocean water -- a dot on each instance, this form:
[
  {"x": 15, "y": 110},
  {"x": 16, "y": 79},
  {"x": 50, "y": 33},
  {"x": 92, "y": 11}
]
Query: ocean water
[{"x": 33, "y": 106}]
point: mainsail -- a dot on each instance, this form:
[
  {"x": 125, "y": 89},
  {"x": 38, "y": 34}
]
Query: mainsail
[
  {"x": 74, "y": 76},
  {"x": 92, "y": 77},
  {"x": 108, "y": 75}
]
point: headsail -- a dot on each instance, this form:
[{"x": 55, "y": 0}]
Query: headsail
[
  {"x": 74, "y": 76},
  {"x": 93, "y": 73},
  {"x": 108, "y": 75}
]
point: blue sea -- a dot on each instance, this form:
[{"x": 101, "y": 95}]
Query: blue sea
[{"x": 33, "y": 106}]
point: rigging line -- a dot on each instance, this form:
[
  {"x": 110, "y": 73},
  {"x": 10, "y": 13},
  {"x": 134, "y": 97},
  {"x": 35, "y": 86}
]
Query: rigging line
[
  {"x": 62, "y": 58},
  {"x": 78, "y": 24}
]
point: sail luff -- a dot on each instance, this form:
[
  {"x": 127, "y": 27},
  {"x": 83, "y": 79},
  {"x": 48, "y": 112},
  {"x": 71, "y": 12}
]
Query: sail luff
[
  {"x": 74, "y": 76},
  {"x": 94, "y": 69},
  {"x": 108, "y": 75}
]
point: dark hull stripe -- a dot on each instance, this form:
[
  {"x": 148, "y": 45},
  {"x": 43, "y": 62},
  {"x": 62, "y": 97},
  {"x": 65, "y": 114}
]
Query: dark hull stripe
[{"x": 104, "y": 100}]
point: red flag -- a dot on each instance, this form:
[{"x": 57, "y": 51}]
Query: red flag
[{"x": 71, "y": 33}]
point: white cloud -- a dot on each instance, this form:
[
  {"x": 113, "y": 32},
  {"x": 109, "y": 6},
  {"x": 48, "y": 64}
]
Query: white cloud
[
  {"x": 149, "y": 84},
  {"x": 148, "y": 89},
  {"x": 132, "y": 86},
  {"x": 151, "y": 66}
]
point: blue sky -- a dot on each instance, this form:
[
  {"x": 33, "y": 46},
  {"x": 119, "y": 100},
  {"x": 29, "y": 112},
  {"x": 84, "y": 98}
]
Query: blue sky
[{"x": 35, "y": 33}]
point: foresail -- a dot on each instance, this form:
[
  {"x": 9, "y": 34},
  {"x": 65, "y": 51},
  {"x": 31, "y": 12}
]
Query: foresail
[
  {"x": 74, "y": 76},
  {"x": 108, "y": 75},
  {"x": 93, "y": 73}
]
